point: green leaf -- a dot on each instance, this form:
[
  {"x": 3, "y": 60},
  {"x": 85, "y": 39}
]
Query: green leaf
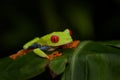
[
  {"x": 4, "y": 63},
  {"x": 57, "y": 65},
  {"x": 89, "y": 61},
  {"x": 97, "y": 47},
  {"x": 98, "y": 67},
  {"x": 24, "y": 67},
  {"x": 76, "y": 69},
  {"x": 115, "y": 43},
  {"x": 104, "y": 67},
  {"x": 93, "y": 61},
  {"x": 114, "y": 66}
]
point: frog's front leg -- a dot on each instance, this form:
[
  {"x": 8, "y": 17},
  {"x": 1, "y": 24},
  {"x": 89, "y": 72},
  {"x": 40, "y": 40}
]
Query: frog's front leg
[{"x": 40, "y": 53}]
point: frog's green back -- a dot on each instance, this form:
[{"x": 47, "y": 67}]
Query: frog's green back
[{"x": 63, "y": 38}]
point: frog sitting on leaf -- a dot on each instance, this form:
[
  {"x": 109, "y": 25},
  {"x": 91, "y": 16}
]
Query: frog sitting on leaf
[{"x": 48, "y": 42}]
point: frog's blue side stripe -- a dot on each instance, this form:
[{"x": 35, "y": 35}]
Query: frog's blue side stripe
[
  {"x": 43, "y": 48},
  {"x": 34, "y": 46}
]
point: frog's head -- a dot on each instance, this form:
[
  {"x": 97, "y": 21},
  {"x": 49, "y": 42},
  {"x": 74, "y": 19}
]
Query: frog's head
[{"x": 57, "y": 38}]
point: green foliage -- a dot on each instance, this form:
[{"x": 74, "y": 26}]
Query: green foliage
[
  {"x": 89, "y": 61},
  {"x": 22, "y": 68},
  {"x": 58, "y": 65}
]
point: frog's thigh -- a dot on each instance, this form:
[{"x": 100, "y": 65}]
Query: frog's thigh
[{"x": 40, "y": 53}]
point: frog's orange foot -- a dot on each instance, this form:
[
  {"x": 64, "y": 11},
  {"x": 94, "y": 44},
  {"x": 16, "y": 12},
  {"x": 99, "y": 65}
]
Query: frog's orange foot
[
  {"x": 19, "y": 53},
  {"x": 13, "y": 56},
  {"x": 54, "y": 54},
  {"x": 73, "y": 44}
]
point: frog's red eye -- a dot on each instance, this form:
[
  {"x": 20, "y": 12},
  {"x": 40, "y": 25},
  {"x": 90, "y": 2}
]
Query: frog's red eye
[
  {"x": 54, "y": 39},
  {"x": 70, "y": 31}
]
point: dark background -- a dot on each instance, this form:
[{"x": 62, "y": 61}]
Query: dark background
[{"x": 22, "y": 20}]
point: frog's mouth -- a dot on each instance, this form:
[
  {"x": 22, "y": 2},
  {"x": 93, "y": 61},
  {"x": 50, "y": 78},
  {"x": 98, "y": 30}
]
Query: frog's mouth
[
  {"x": 60, "y": 44},
  {"x": 67, "y": 43}
]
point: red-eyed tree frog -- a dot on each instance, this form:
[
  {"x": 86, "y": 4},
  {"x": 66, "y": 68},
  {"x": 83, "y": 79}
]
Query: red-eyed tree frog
[{"x": 48, "y": 42}]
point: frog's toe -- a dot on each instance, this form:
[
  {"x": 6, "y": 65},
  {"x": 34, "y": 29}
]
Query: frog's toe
[{"x": 54, "y": 54}]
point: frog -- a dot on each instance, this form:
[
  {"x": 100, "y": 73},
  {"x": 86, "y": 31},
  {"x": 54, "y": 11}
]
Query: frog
[{"x": 49, "y": 42}]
